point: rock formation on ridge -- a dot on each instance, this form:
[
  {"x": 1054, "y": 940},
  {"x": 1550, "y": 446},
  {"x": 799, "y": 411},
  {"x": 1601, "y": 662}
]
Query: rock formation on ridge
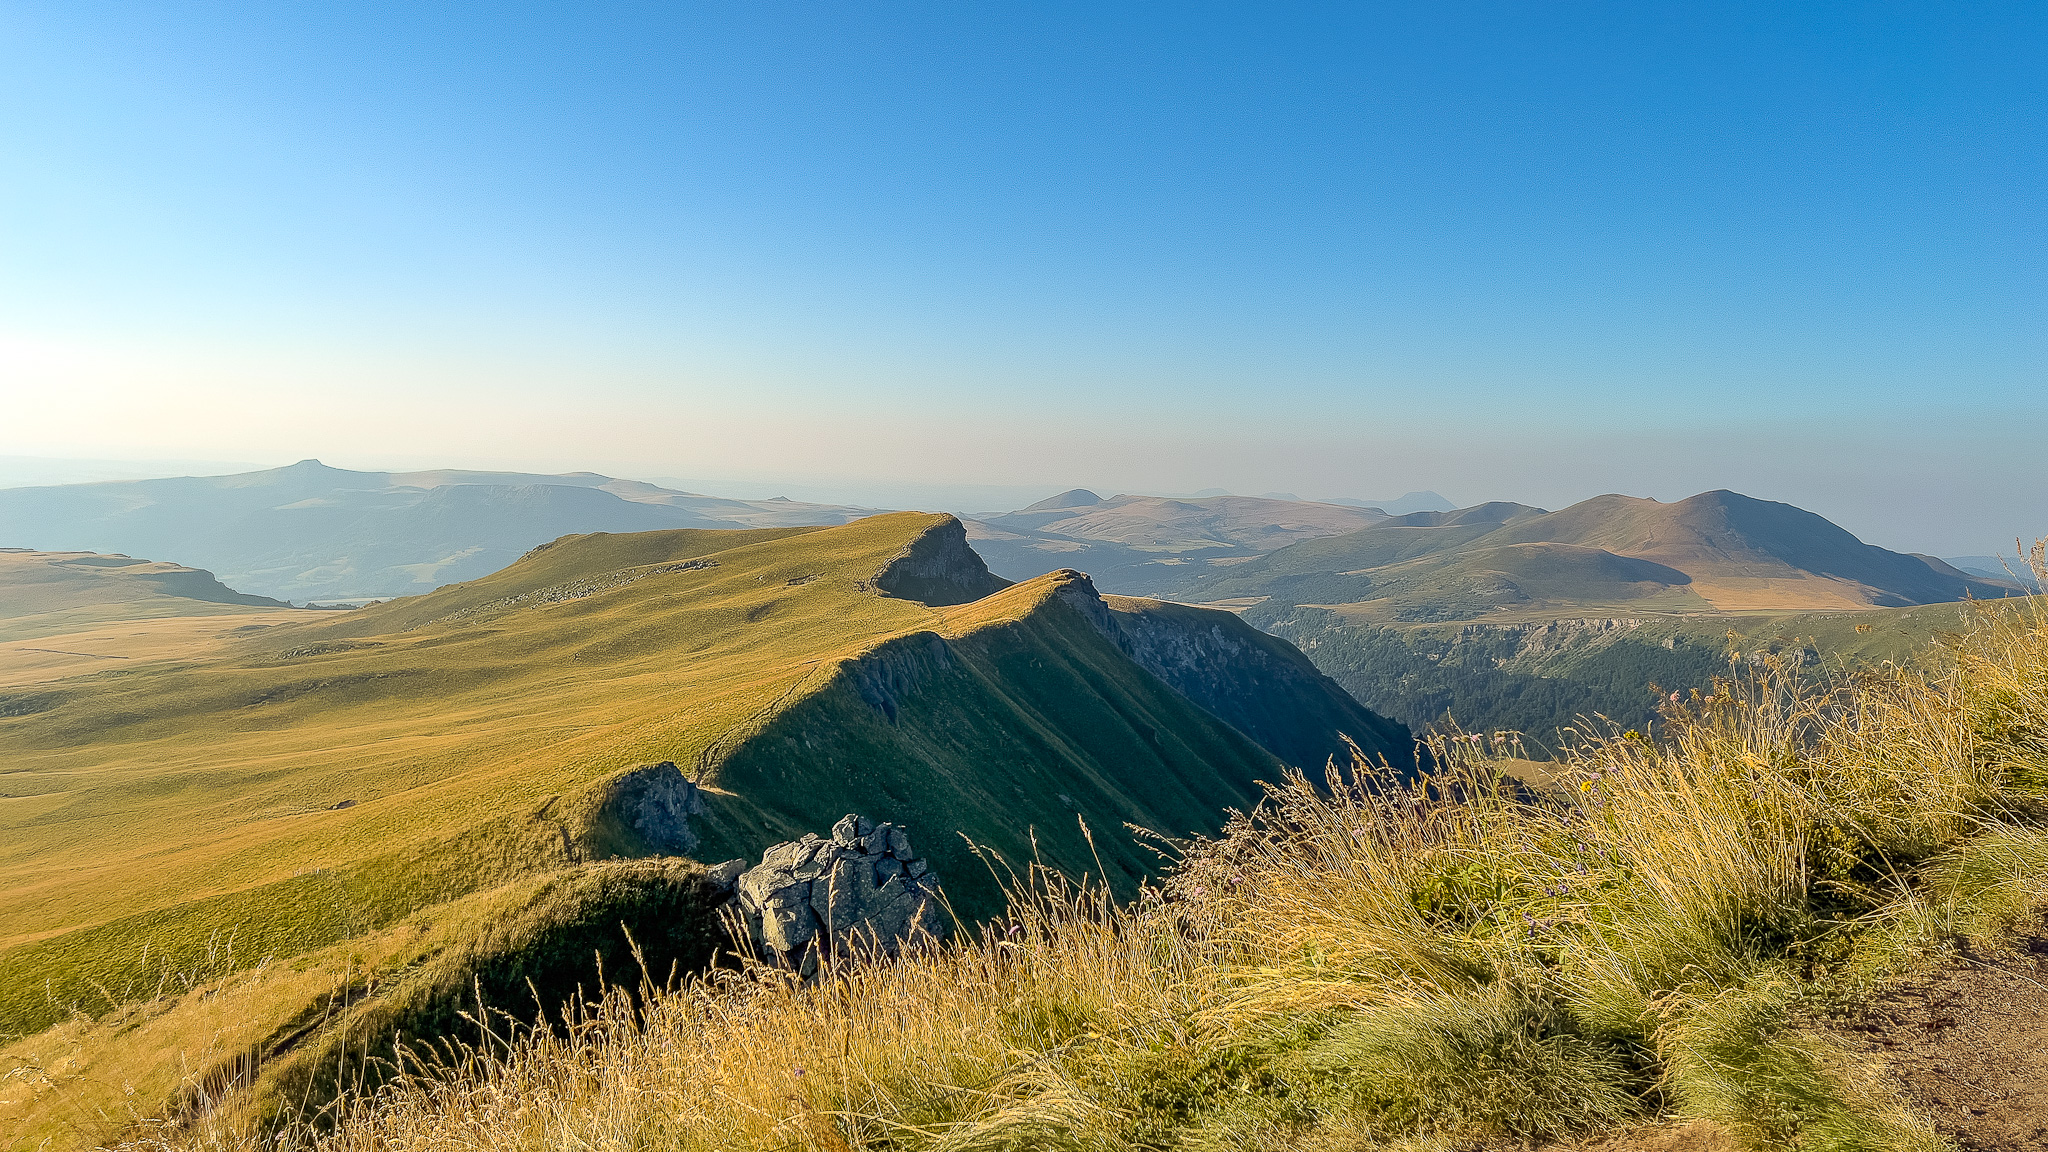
[{"x": 861, "y": 889}]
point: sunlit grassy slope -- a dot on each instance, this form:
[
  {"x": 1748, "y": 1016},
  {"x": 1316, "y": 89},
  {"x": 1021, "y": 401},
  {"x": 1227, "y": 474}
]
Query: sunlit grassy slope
[
  {"x": 324, "y": 779},
  {"x": 277, "y": 1035},
  {"x": 1664, "y": 929}
]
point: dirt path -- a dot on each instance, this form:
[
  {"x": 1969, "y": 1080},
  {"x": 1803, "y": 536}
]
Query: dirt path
[
  {"x": 1969, "y": 1045},
  {"x": 1675, "y": 1136}
]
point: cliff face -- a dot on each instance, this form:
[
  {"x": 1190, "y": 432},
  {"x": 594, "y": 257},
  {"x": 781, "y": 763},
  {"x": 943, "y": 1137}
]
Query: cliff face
[
  {"x": 1259, "y": 684},
  {"x": 938, "y": 569}
]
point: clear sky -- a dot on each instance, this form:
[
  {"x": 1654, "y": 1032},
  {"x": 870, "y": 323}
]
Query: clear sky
[{"x": 1530, "y": 251}]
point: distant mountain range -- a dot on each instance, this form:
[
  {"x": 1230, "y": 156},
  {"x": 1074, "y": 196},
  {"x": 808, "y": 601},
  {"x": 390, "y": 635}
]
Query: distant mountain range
[
  {"x": 1718, "y": 552},
  {"x": 2010, "y": 568},
  {"x": 313, "y": 533},
  {"x": 1408, "y": 502},
  {"x": 308, "y": 532},
  {"x": 1507, "y": 617}
]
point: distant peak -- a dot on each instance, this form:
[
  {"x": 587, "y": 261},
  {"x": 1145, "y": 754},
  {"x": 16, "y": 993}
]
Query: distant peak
[{"x": 1071, "y": 498}]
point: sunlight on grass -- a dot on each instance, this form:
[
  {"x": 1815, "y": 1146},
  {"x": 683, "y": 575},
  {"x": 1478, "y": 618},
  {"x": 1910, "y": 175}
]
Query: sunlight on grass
[{"x": 1365, "y": 961}]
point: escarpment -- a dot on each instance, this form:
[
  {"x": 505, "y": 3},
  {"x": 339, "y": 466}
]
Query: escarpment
[
  {"x": 1256, "y": 683},
  {"x": 939, "y": 568}
]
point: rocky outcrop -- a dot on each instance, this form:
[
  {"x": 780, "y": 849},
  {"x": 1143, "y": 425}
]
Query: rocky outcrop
[
  {"x": 896, "y": 669},
  {"x": 938, "y": 568},
  {"x": 642, "y": 811},
  {"x": 862, "y": 891}
]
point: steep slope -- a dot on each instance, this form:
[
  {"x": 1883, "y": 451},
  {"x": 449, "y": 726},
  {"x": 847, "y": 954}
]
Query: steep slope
[
  {"x": 325, "y": 778},
  {"x": 313, "y": 532},
  {"x": 1535, "y": 676},
  {"x": 1258, "y": 684}
]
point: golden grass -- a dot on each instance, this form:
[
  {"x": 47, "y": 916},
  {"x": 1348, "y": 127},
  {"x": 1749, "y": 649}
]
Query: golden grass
[
  {"x": 1371, "y": 963},
  {"x": 217, "y": 775},
  {"x": 72, "y": 650},
  {"x": 1780, "y": 594},
  {"x": 272, "y": 1029}
]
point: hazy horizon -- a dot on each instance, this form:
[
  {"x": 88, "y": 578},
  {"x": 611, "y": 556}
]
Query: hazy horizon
[
  {"x": 904, "y": 493},
  {"x": 932, "y": 256}
]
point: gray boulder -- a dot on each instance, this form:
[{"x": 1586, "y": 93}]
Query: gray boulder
[{"x": 862, "y": 891}]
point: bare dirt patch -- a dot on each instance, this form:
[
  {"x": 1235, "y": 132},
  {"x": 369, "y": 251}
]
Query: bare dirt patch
[
  {"x": 1968, "y": 1046},
  {"x": 1670, "y": 1136}
]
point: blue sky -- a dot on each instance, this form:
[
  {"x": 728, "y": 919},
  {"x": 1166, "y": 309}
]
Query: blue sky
[{"x": 1525, "y": 251}]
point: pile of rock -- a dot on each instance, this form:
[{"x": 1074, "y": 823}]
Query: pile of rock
[{"x": 860, "y": 891}]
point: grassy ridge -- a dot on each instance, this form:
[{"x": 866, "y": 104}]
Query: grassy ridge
[
  {"x": 220, "y": 777},
  {"x": 139, "y": 956},
  {"x": 57, "y": 593},
  {"x": 1449, "y": 964}
]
